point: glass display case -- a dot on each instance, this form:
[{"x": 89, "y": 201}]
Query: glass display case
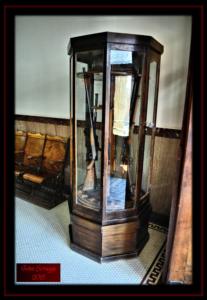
[{"x": 114, "y": 81}]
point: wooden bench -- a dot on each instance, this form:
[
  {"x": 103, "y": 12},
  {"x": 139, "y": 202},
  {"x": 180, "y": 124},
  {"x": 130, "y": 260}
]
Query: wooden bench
[
  {"x": 30, "y": 155},
  {"x": 20, "y": 141},
  {"x": 39, "y": 170}
]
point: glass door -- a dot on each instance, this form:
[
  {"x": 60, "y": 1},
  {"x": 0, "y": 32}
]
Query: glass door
[
  {"x": 149, "y": 127},
  {"x": 88, "y": 128},
  {"x": 123, "y": 140}
]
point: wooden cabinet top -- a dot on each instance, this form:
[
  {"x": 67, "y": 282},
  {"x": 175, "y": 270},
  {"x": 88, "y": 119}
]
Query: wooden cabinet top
[{"x": 101, "y": 39}]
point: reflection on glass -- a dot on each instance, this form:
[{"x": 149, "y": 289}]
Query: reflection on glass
[
  {"x": 151, "y": 93},
  {"x": 146, "y": 164},
  {"x": 126, "y": 70},
  {"x": 120, "y": 57},
  {"x": 149, "y": 123},
  {"x": 88, "y": 93}
]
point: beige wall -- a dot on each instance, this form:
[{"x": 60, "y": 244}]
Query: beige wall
[{"x": 42, "y": 72}]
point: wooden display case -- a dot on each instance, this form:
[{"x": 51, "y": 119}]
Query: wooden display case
[{"x": 114, "y": 80}]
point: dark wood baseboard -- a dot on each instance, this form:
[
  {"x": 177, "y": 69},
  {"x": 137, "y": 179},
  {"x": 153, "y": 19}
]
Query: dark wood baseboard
[
  {"x": 39, "y": 198},
  {"x": 49, "y": 120},
  {"x": 159, "y": 219},
  {"x": 161, "y": 132}
]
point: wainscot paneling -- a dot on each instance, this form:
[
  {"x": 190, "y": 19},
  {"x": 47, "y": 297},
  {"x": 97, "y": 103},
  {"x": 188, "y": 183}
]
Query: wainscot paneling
[
  {"x": 166, "y": 148},
  {"x": 164, "y": 172}
]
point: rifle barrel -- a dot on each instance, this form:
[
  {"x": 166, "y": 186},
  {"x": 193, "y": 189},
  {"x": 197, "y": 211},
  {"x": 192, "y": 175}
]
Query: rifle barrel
[{"x": 92, "y": 137}]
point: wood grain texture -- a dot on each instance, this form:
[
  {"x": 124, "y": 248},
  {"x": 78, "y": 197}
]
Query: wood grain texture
[
  {"x": 20, "y": 140},
  {"x": 119, "y": 238},
  {"x": 180, "y": 268},
  {"x": 42, "y": 127},
  {"x": 51, "y": 129},
  {"x": 87, "y": 41},
  {"x": 33, "y": 178},
  {"x": 54, "y": 155},
  {"x": 20, "y": 125},
  {"x": 43, "y": 170},
  {"x": 34, "y": 149},
  {"x": 105, "y": 240},
  {"x": 86, "y": 234},
  {"x": 163, "y": 174}
]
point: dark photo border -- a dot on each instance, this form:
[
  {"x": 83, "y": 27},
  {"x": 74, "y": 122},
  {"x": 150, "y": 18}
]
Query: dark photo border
[{"x": 10, "y": 9}]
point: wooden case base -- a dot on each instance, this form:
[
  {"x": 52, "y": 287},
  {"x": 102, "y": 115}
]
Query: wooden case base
[{"x": 109, "y": 242}]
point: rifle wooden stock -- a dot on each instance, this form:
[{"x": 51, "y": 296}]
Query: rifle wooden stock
[
  {"x": 93, "y": 146},
  {"x": 90, "y": 179}
]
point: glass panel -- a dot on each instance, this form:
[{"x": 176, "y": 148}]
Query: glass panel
[
  {"x": 88, "y": 99},
  {"x": 126, "y": 71},
  {"x": 151, "y": 94},
  {"x": 146, "y": 164},
  {"x": 121, "y": 57},
  {"x": 149, "y": 123},
  {"x": 71, "y": 121}
]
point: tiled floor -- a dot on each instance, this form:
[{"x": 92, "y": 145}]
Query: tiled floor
[{"x": 42, "y": 237}]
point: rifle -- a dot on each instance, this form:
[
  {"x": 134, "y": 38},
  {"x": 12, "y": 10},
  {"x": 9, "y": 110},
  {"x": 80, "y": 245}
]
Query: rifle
[
  {"x": 94, "y": 127},
  {"x": 127, "y": 141},
  {"x": 90, "y": 179}
]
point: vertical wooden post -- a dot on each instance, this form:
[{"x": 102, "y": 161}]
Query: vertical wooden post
[{"x": 180, "y": 266}]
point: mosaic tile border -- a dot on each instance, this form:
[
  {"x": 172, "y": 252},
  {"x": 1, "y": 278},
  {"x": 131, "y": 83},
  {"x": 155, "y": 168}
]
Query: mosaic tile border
[{"x": 154, "y": 273}]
